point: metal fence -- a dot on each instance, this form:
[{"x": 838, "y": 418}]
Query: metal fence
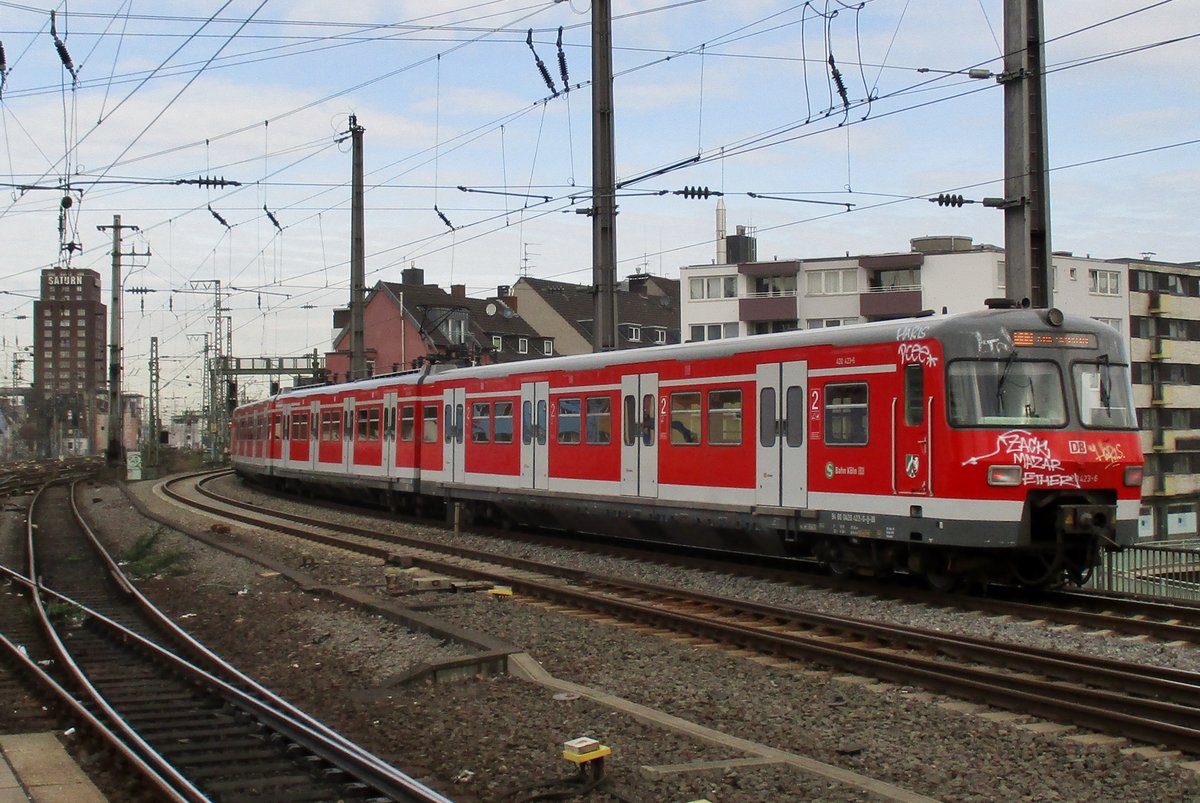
[{"x": 1160, "y": 570}]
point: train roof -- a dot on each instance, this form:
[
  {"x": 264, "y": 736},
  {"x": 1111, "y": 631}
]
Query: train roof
[{"x": 959, "y": 332}]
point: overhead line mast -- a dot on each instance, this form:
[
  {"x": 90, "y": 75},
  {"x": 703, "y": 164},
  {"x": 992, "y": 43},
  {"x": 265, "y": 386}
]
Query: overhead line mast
[{"x": 604, "y": 208}]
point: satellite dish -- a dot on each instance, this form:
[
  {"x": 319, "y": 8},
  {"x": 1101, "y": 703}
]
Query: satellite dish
[{"x": 490, "y": 309}]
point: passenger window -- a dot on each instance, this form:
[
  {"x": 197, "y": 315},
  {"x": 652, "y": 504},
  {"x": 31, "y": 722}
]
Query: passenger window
[
  {"x": 408, "y": 416},
  {"x": 685, "y": 418},
  {"x": 914, "y": 394},
  {"x": 527, "y": 423},
  {"x": 599, "y": 420},
  {"x": 797, "y": 411},
  {"x": 649, "y": 433},
  {"x": 429, "y": 424},
  {"x": 541, "y": 422},
  {"x": 725, "y": 417},
  {"x": 481, "y": 422},
  {"x": 846, "y": 415},
  {"x": 502, "y": 423},
  {"x": 768, "y": 428},
  {"x": 568, "y": 420},
  {"x": 629, "y": 420}
]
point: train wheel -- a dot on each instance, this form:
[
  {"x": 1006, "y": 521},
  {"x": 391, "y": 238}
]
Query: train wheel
[{"x": 940, "y": 575}]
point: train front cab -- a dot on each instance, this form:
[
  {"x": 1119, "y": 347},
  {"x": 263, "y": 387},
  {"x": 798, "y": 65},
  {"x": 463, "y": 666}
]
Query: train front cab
[{"x": 1042, "y": 433}]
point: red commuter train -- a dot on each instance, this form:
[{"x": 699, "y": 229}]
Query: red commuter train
[{"x": 993, "y": 446}]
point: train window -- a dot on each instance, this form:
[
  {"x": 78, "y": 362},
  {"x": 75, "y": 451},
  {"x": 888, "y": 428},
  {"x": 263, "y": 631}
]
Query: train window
[
  {"x": 541, "y": 422},
  {"x": 846, "y": 414},
  {"x": 1005, "y": 393},
  {"x": 429, "y": 423},
  {"x": 449, "y": 433},
  {"x": 527, "y": 423},
  {"x": 914, "y": 394},
  {"x": 408, "y": 422},
  {"x": 797, "y": 414},
  {"x": 1102, "y": 393},
  {"x": 685, "y": 418},
  {"x": 368, "y": 424},
  {"x": 725, "y": 417},
  {"x": 599, "y": 420},
  {"x": 568, "y": 420},
  {"x": 768, "y": 426},
  {"x": 331, "y": 425},
  {"x": 299, "y": 426},
  {"x": 502, "y": 422},
  {"x": 481, "y": 422},
  {"x": 458, "y": 423},
  {"x": 629, "y": 420},
  {"x": 648, "y": 418}
]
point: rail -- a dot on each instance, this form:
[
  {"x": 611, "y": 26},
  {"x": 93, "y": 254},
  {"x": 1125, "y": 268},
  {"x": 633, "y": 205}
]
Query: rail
[{"x": 1168, "y": 571}]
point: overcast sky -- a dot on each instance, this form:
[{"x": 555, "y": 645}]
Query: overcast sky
[{"x": 450, "y": 96}]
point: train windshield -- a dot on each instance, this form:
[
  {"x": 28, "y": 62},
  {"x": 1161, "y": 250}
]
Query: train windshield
[
  {"x": 1006, "y": 393},
  {"x": 1102, "y": 391}
]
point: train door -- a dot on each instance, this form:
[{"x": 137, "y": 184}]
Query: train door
[
  {"x": 346, "y": 432},
  {"x": 911, "y": 434},
  {"x": 275, "y": 437},
  {"x": 639, "y": 435},
  {"x": 782, "y": 460},
  {"x": 454, "y": 401},
  {"x": 389, "y": 433},
  {"x": 535, "y": 451}
]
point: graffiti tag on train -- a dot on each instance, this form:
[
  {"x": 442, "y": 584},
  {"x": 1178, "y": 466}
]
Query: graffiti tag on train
[
  {"x": 913, "y": 332},
  {"x": 917, "y": 352},
  {"x": 1107, "y": 452},
  {"x": 994, "y": 345},
  {"x": 1033, "y": 454}
]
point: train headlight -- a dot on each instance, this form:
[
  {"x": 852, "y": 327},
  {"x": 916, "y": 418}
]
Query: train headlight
[
  {"x": 1004, "y": 475},
  {"x": 1133, "y": 476}
]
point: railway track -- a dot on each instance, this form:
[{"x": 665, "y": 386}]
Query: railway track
[
  {"x": 1154, "y": 705},
  {"x": 190, "y": 724}
]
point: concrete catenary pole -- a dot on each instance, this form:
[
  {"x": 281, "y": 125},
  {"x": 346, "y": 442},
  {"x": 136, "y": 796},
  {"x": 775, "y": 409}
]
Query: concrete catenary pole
[
  {"x": 1026, "y": 180},
  {"x": 604, "y": 207},
  {"x": 358, "y": 355}
]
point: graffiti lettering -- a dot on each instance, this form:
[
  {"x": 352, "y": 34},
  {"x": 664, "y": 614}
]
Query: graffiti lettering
[
  {"x": 1107, "y": 452},
  {"x": 1052, "y": 480},
  {"x": 993, "y": 345},
  {"x": 1025, "y": 449},
  {"x": 917, "y": 352},
  {"x": 911, "y": 332}
]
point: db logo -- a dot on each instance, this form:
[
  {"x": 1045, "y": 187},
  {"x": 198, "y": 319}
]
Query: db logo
[{"x": 1077, "y": 447}]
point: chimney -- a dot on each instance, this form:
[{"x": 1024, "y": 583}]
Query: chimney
[
  {"x": 502, "y": 291},
  {"x": 458, "y": 291},
  {"x": 413, "y": 277}
]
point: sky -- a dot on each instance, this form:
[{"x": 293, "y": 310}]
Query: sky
[{"x": 476, "y": 169}]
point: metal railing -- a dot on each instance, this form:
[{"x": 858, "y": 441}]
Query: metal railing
[{"x": 1170, "y": 571}]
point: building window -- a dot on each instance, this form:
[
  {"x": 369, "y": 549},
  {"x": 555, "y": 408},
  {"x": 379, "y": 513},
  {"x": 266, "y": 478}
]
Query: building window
[
  {"x": 832, "y": 282},
  {"x": 1104, "y": 282},
  {"x": 522, "y": 345},
  {"x": 710, "y": 287},
  {"x": 775, "y": 285},
  {"x": 660, "y": 336},
  {"x": 635, "y": 334},
  {"x": 825, "y": 323},
  {"x": 685, "y": 418},
  {"x": 497, "y": 342},
  {"x": 1115, "y": 323},
  {"x": 548, "y": 347}
]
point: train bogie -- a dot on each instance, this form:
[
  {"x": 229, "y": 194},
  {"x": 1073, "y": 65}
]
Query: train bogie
[{"x": 997, "y": 446}]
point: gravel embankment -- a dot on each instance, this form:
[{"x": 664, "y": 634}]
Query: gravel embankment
[{"x": 476, "y": 739}]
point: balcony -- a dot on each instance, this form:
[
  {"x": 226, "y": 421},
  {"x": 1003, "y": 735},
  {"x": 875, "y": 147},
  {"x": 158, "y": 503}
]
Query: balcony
[
  {"x": 767, "y": 308},
  {"x": 890, "y": 302}
]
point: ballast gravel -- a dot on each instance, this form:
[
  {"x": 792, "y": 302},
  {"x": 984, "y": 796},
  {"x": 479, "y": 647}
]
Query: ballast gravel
[{"x": 493, "y": 739}]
